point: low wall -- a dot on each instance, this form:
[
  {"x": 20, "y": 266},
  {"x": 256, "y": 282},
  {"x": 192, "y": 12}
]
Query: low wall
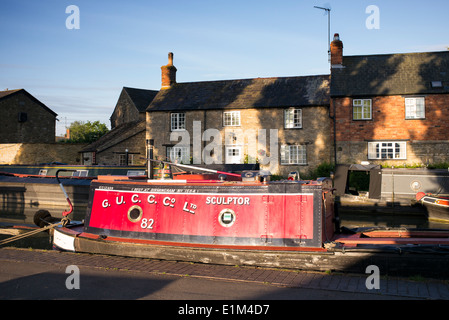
[{"x": 35, "y": 153}]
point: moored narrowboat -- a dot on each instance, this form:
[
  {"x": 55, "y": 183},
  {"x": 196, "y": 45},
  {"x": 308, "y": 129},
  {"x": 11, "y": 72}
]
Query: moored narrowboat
[
  {"x": 437, "y": 206},
  {"x": 287, "y": 224},
  {"x": 138, "y": 217}
]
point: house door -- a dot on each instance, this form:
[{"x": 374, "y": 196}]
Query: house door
[{"x": 234, "y": 155}]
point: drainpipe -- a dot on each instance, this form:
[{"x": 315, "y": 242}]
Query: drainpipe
[
  {"x": 150, "y": 170},
  {"x": 334, "y": 121},
  {"x": 392, "y": 184}
]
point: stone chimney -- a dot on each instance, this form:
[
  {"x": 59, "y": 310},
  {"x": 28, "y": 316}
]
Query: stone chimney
[
  {"x": 168, "y": 73},
  {"x": 336, "y": 52}
]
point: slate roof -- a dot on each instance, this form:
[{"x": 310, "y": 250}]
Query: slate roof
[
  {"x": 244, "y": 93},
  {"x": 141, "y": 97},
  {"x": 391, "y": 74},
  {"x": 116, "y": 135},
  {"x": 8, "y": 93}
]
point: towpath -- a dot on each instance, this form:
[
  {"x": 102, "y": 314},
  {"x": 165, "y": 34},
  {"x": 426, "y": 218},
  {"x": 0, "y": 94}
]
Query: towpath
[{"x": 44, "y": 274}]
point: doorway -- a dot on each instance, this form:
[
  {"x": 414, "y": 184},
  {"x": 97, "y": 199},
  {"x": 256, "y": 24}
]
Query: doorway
[{"x": 234, "y": 155}]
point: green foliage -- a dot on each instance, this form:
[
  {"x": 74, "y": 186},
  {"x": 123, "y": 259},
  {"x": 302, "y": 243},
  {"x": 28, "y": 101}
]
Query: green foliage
[
  {"x": 442, "y": 165},
  {"x": 323, "y": 170},
  {"x": 276, "y": 177},
  {"x": 439, "y": 165},
  {"x": 87, "y": 132},
  {"x": 359, "y": 180}
]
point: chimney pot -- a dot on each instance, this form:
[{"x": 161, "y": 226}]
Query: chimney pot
[
  {"x": 336, "y": 51},
  {"x": 168, "y": 73}
]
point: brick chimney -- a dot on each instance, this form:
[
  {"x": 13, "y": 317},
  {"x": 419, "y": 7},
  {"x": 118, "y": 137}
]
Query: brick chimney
[
  {"x": 168, "y": 73},
  {"x": 336, "y": 51}
]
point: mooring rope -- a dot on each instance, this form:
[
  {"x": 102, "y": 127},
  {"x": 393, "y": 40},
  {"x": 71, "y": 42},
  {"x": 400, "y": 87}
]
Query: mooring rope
[{"x": 28, "y": 234}]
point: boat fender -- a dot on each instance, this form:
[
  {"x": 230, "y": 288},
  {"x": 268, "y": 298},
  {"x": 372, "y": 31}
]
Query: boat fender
[
  {"x": 420, "y": 195},
  {"x": 42, "y": 218}
]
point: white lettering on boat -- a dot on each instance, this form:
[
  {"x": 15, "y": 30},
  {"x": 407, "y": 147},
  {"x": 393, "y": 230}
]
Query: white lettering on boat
[
  {"x": 147, "y": 223},
  {"x": 105, "y": 203},
  {"x": 150, "y": 199},
  {"x": 135, "y": 198},
  {"x": 119, "y": 201},
  {"x": 227, "y": 200},
  {"x": 190, "y": 209},
  {"x": 169, "y": 202}
]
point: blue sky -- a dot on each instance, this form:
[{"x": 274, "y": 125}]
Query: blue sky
[{"x": 79, "y": 73}]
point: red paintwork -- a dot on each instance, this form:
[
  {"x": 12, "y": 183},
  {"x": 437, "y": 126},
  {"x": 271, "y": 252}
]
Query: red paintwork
[
  {"x": 392, "y": 241},
  {"x": 196, "y": 214},
  {"x": 208, "y": 176}
]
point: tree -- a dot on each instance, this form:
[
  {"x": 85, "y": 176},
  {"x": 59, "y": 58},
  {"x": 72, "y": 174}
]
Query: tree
[{"x": 87, "y": 132}]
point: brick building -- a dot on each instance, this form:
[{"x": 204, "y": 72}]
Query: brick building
[
  {"x": 390, "y": 109},
  {"x": 283, "y": 123},
  {"x": 24, "y": 119}
]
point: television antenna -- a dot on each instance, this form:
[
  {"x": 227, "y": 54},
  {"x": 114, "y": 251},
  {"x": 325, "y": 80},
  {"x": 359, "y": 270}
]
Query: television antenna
[{"x": 328, "y": 12}]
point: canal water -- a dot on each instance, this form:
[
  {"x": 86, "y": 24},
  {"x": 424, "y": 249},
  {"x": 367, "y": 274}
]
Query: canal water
[{"x": 25, "y": 217}]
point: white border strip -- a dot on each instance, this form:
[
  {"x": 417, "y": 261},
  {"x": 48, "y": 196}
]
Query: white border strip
[{"x": 209, "y": 194}]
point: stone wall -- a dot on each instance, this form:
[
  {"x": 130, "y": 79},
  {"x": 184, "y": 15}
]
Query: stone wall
[
  {"x": 315, "y": 134},
  {"x": 419, "y": 153},
  {"x": 35, "y": 153},
  {"x": 135, "y": 145},
  {"x": 124, "y": 111}
]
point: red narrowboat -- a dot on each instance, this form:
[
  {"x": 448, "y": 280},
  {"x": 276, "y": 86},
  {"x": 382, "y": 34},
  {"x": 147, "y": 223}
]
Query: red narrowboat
[
  {"x": 287, "y": 224},
  {"x": 138, "y": 217}
]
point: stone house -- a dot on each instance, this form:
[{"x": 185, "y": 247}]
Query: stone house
[
  {"x": 24, "y": 119},
  {"x": 125, "y": 143},
  {"x": 390, "y": 109},
  {"x": 281, "y": 123},
  {"x": 131, "y": 106}
]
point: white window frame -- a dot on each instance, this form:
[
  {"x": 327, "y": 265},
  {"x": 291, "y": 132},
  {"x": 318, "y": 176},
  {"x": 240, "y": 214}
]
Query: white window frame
[
  {"x": 415, "y": 108},
  {"x": 122, "y": 159},
  {"x": 233, "y": 152},
  {"x": 293, "y": 154},
  {"x": 80, "y": 173},
  {"x": 293, "y": 118},
  {"x": 178, "y": 154},
  {"x": 178, "y": 121},
  {"x": 366, "y": 107},
  {"x": 231, "y": 119},
  {"x": 387, "y": 150}
]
